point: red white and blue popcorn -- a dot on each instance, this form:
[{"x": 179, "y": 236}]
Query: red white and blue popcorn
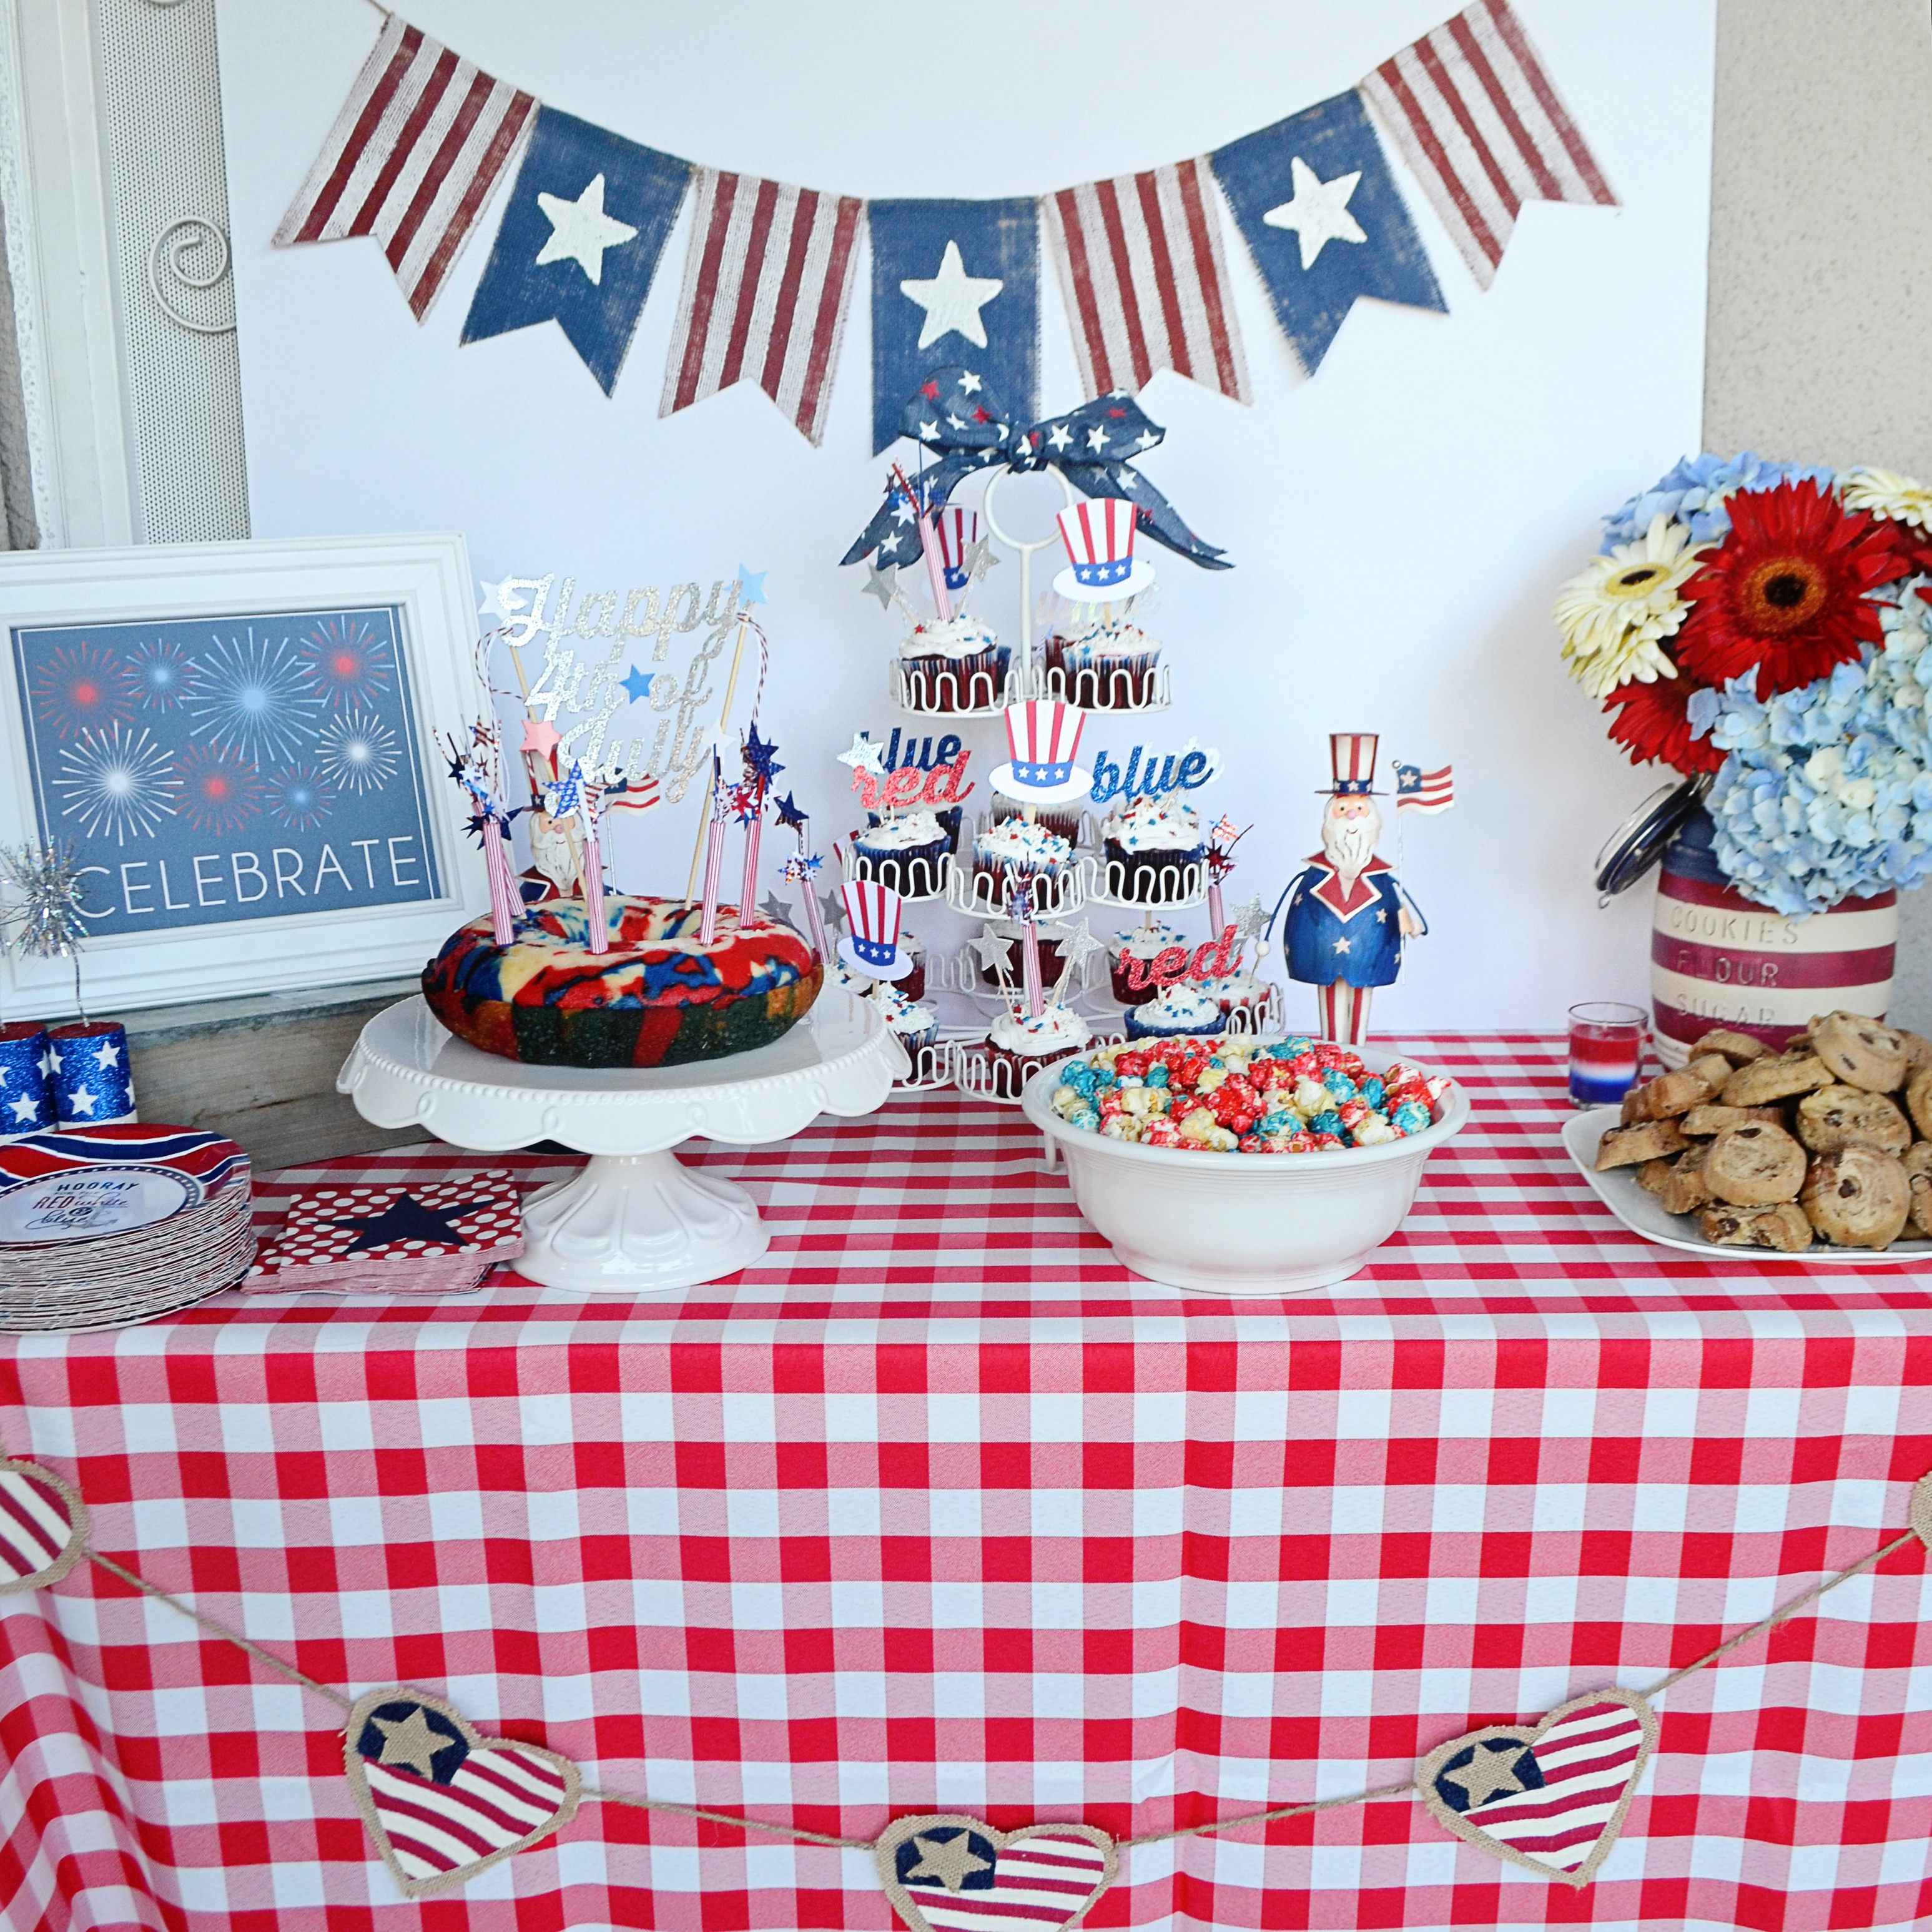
[{"x": 1242, "y": 1096}]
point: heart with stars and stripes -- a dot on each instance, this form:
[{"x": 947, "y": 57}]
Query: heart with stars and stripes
[
  {"x": 442, "y": 1803},
  {"x": 1552, "y": 1798},
  {"x": 43, "y": 1527},
  {"x": 951, "y": 1874}
]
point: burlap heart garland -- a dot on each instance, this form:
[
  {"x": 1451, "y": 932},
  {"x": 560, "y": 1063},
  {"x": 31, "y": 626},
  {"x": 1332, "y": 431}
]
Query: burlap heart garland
[
  {"x": 1552, "y": 1797},
  {"x": 442, "y": 1802},
  {"x": 948, "y": 1872},
  {"x": 43, "y": 1527}
]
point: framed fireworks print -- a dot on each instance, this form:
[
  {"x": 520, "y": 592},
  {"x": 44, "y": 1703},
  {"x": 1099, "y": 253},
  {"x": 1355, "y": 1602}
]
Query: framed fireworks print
[{"x": 235, "y": 743}]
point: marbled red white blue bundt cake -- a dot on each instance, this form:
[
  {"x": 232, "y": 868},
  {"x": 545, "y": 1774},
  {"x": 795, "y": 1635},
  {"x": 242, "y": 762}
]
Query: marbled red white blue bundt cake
[{"x": 658, "y": 997}]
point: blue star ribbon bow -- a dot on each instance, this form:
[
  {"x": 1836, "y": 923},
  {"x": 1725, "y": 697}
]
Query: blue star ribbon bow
[{"x": 955, "y": 414}]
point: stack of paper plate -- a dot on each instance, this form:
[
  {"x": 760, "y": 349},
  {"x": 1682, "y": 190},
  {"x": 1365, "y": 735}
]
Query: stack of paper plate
[{"x": 113, "y": 1225}]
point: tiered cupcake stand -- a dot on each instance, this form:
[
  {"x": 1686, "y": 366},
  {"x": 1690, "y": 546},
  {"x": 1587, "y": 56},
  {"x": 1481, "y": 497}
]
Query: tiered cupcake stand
[{"x": 959, "y": 1057}]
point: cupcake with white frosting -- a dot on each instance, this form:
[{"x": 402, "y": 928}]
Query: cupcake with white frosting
[
  {"x": 1020, "y": 1043},
  {"x": 1150, "y": 844},
  {"x": 1104, "y": 666},
  {"x": 1179, "y": 1009},
  {"x": 1012, "y": 845},
  {"x": 904, "y": 852},
  {"x": 954, "y": 664},
  {"x": 1142, "y": 944}
]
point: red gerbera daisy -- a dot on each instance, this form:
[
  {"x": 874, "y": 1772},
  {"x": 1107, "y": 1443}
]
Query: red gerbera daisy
[
  {"x": 1652, "y": 721},
  {"x": 1785, "y": 590}
]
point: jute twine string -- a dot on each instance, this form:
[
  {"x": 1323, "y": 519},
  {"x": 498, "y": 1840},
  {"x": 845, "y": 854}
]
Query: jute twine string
[{"x": 701, "y": 1814}]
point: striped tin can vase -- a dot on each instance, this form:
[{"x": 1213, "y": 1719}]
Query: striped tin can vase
[{"x": 1717, "y": 958}]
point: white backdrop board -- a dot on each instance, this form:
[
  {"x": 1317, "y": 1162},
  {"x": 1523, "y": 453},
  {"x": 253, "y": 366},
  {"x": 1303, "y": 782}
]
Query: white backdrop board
[{"x": 1399, "y": 522}]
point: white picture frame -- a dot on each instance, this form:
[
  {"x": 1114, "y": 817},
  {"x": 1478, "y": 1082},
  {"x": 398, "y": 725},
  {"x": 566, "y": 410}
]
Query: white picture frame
[{"x": 424, "y": 579}]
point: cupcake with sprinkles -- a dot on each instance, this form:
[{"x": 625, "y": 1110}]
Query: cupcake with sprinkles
[
  {"x": 1154, "y": 849},
  {"x": 1178, "y": 1009}
]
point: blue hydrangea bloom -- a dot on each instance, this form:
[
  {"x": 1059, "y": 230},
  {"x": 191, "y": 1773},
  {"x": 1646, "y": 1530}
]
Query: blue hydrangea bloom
[
  {"x": 1827, "y": 792},
  {"x": 1694, "y": 493}
]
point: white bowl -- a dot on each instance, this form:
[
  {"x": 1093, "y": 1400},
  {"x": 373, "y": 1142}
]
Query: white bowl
[{"x": 1243, "y": 1223}]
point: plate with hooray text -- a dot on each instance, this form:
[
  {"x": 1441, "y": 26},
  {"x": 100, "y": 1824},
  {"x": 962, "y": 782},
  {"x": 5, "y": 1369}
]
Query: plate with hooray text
[
  {"x": 107, "y": 1181},
  {"x": 1642, "y": 1214}
]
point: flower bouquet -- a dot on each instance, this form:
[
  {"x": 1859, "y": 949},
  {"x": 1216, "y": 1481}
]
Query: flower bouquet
[{"x": 1762, "y": 628}]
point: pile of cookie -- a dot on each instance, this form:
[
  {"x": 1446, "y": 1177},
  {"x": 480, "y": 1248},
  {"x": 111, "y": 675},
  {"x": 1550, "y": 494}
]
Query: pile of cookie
[{"x": 1830, "y": 1140}]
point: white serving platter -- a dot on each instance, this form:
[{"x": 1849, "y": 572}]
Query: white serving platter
[{"x": 1642, "y": 1214}]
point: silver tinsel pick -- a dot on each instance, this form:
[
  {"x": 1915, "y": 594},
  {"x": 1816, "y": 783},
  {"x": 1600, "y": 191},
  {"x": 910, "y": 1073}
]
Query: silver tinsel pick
[{"x": 45, "y": 921}]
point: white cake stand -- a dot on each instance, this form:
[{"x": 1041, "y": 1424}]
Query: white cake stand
[{"x": 635, "y": 1220}]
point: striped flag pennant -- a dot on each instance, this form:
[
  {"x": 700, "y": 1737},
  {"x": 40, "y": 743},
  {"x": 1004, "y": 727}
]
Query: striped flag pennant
[
  {"x": 442, "y": 1803},
  {"x": 1482, "y": 128},
  {"x": 952, "y": 1873},
  {"x": 767, "y": 281},
  {"x": 1552, "y": 1798},
  {"x": 420, "y": 143},
  {"x": 1425, "y": 792},
  {"x": 1145, "y": 281},
  {"x": 43, "y": 1527}
]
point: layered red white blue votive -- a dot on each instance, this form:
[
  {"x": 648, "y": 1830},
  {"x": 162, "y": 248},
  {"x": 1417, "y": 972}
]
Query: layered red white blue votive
[{"x": 1603, "y": 1062}]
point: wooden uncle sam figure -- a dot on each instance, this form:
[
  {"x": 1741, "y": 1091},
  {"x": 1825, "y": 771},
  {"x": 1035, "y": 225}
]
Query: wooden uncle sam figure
[{"x": 1347, "y": 914}]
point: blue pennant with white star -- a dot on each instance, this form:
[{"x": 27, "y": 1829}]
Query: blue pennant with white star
[
  {"x": 952, "y": 281},
  {"x": 1325, "y": 222},
  {"x": 580, "y": 239}
]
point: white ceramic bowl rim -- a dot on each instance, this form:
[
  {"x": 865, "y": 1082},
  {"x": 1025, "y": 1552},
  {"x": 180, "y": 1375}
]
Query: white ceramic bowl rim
[{"x": 1452, "y": 1114}]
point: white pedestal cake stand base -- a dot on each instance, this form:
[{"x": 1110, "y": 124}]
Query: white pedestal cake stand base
[{"x": 636, "y": 1220}]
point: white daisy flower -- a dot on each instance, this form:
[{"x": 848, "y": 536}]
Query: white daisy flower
[
  {"x": 1886, "y": 493},
  {"x": 1613, "y": 615}
]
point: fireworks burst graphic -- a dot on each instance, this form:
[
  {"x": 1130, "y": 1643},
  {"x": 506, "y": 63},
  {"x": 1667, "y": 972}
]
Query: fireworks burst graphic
[
  {"x": 220, "y": 791},
  {"x": 347, "y": 660},
  {"x": 119, "y": 784},
  {"x": 299, "y": 798},
  {"x": 249, "y": 695},
  {"x": 357, "y": 753},
  {"x": 81, "y": 687},
  {"x": 159, "y": 672}
]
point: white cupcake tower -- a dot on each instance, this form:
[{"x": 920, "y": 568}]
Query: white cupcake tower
[{"x": 1090, "y": 879}]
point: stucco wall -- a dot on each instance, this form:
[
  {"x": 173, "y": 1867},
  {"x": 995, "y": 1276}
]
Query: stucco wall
[{"x": 1820, "y": 335}]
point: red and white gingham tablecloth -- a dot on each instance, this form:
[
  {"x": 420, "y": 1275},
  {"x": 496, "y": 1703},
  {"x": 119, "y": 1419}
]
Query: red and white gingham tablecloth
[{"x": 937, "y": 1508}]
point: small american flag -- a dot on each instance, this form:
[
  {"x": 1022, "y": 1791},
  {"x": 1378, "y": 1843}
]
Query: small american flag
[
  {"x": 638, "y": 792},
  {"x": 1145, "y": 281},
  {"x": 1483, "y": 129},
  {"x": 1418, "y": 791},
  {"x": 767, "y": 284},
  {"x": 417, "y": 146}
]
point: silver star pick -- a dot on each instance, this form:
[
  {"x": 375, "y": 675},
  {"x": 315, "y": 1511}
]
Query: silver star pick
[
  {"x": 996, "y": 954},
  {"x": 1079, "y": 944},
  {"x": 883, "y": 584},
  {"x": 832, "y": 905},
  {"x": 773, "y": 907},
  {"x": 864, "y": 755},
  {"x": 979, "y": 559},
  {"x": 1249, "y": 918}
]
